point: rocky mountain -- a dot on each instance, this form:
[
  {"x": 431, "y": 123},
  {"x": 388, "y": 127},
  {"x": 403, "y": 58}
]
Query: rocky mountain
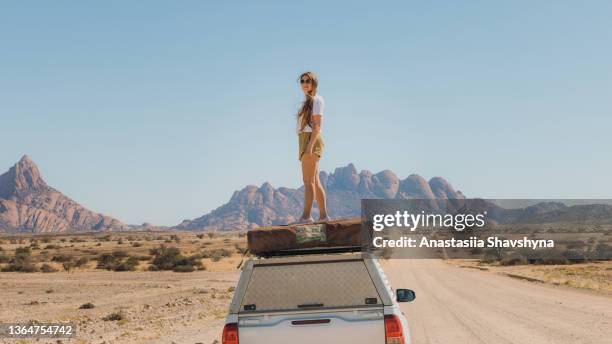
[
  {"x": 28, "y": 204},
  {"x": 261, "y": 206},
  {"x": 551, "y": 211}
]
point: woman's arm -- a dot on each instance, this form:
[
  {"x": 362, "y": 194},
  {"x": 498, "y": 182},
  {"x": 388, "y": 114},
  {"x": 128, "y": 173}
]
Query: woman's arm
[{"x": 316, "y": 128}]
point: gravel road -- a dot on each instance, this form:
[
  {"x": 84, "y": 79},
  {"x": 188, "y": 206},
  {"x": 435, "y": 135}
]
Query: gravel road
[{"x": 458, "y": 305}]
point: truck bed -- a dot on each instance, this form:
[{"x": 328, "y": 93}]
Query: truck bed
[{"x": 327, "y": 298}]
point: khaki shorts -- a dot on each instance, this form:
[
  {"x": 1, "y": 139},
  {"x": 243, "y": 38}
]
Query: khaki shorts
[{"x": 304, "y": 138}]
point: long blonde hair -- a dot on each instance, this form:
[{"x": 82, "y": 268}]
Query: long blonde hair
[{"x": 305, "y": 113}]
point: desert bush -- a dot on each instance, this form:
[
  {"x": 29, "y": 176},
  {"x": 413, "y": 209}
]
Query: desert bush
[
  {"x": 575, "y": 255},
  {"x": 107, "y": 261},
  {"x": 119, "y": 254},
  {"x": 572, "y": 244},
  {"x": 114, "y": 316},
  {"x": 129, "y": 264},
  {"x": 47, "y": 268},
  {"x": 116, "y": 262},
  {"x": 1, "y": 249},
  {"x": 25, "y": 251},
  {"x": 81, "y": 262},
  {"x": 183, "y": 268},
  {"x": 60, "y": 258},
  {"x": 52, "y": 247},
  {"x": 124, "y": 267},
  {"x": 515, "y": 259},
  {"x": 488, "y": 259},
  {"x": 211, "y": 234},
  {"x": 200, "y": 236},
  {"x": 21, "y": 261},
  {"x": 136, "y": 244},
  {"x": 68, "y": 265},
  {"x": 169, "y": 258},
  {"x": 87, "y": 305},
  {"x": 216, "y": 254},
  {"x": 132, "y": 261},
  {"x": 550, "y": 257},
  {"x": 603, "y": 251},
  {"x": 222, "y": 252},
  {"x": 4, "y": 259},
  {"x": 164, "y": 258},
  {"x": 476, "y": 250}
]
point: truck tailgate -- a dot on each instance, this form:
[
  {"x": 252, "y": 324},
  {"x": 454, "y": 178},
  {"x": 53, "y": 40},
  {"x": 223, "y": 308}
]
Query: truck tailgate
[{"x": 364, "y": 326}]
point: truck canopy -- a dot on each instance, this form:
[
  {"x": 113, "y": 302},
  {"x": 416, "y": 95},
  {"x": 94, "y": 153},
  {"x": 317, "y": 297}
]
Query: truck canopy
[{"x": 313, "y": 282}]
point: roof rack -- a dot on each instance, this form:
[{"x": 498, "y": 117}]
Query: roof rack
[{"x": 311, "y": 250}]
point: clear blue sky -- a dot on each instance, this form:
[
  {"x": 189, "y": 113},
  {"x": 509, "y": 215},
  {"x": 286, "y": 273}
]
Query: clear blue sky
[{"x": 157, "y": 111}]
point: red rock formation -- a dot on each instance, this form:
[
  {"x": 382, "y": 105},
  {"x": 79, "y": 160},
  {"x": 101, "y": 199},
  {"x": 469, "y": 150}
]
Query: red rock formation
[
  {"x": 345, "y": 187},
  {"x": 28, "y": 204}
]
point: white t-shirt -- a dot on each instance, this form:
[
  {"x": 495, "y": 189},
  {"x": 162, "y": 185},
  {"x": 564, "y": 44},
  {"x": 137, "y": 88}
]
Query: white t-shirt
[{"x": 318, "y": 107}]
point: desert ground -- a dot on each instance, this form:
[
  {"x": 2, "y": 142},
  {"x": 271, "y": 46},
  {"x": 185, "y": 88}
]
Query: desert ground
[
  {"x": 457, "y": 301},
  {"x": 462, "y": 305}
]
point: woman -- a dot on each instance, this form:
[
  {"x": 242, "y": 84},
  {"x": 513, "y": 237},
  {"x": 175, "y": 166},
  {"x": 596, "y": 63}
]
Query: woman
[{"x": 311, "y": 146}]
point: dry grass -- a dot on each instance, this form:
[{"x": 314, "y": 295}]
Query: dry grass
[
  {"x": 155, "y": 306},
  {"x": 593, "y": 275},
  {"x": 137, "y": 244}
]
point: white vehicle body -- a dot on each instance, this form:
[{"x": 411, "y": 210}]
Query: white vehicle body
[{"x": 317, "y": 298}]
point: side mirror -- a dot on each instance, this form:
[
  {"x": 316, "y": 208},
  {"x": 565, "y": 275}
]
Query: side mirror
[{"x": 405, "y": 295}]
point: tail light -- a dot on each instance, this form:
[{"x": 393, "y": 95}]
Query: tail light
[
  {"x": 393, "y": 330},
  {"x": 230, "y": 334}
]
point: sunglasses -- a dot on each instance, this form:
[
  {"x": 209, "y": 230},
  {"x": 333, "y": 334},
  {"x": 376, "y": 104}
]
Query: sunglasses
[{"x": 305, "y": 81}]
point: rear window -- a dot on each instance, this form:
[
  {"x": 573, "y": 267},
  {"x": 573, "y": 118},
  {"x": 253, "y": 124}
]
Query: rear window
[{"x": 309, "y": 286}]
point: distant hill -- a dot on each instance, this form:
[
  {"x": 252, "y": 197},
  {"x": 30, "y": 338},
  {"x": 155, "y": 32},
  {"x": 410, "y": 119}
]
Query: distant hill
[
  {"x": 28, "y": 204},
  {"x": 261, "y": 206},
  {"x": 554, "y": 212}
]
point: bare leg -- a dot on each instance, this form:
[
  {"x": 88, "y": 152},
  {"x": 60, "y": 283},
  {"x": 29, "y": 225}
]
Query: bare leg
[
  {"x": 310, "y": 164},
  {"x": 320, "y": 195}
]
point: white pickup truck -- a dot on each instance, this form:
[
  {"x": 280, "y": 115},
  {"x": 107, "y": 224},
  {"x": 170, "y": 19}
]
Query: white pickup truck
[{"x": 316, "y": 298}]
